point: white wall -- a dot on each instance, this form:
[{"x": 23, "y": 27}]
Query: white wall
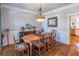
[
  {"x": 0, "y": 30},
  {"x": 62, "y": 28},
  {"x": 14, "y": 20},
  {"x": 63, "y": 31}
]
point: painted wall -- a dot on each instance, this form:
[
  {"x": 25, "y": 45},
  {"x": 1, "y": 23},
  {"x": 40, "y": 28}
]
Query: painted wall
[
  {"x": 14, "y": 20},
  {"x": 62, "y": 28},
  {"x": 63, "y": 31},
  {"x": 0, "y": 30}
]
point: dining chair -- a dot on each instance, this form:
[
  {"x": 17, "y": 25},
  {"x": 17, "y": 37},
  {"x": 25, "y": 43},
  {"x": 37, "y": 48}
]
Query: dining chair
[
  {"x": 55, "y": 43},
  {"x": 54, "y": 33},
  {"x": 39, "y": 47},
  {"x": 48, "y": 39},
  {"x": 20, "y": 47}
]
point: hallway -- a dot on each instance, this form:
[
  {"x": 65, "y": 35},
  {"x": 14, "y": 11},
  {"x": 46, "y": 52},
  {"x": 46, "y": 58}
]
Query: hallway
[{"x": 74, "y": 39}]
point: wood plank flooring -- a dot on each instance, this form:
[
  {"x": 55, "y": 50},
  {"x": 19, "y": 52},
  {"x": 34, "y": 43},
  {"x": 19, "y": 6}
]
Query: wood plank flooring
[{"x": 59, "y": 50}]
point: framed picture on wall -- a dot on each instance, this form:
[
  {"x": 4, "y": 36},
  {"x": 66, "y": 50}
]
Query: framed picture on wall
[{"x": 52, "y": 22}]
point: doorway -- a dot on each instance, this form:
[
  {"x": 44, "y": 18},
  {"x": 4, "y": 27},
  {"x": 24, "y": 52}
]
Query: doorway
[{"x": 74, "y": 28}]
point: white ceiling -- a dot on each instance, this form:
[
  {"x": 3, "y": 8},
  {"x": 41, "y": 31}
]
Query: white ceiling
[{"x": 35, "y": 6}]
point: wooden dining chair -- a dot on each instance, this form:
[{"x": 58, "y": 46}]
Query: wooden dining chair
[
  {"x": 39, "y": 47},
  {"x": 54, "y": 32},
  {"x": 48, "y": 39},
  {"x": 20, "y": 47}
]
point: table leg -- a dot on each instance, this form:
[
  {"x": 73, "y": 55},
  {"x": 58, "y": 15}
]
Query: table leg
[{"x": 30, "y": 49}]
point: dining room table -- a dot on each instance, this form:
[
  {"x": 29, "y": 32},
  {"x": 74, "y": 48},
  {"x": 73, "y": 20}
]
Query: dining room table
[{"x": 29, "y": 39}]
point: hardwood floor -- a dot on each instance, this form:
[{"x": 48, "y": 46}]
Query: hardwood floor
[
  {"x": 74, "y": 39},
  {"x": 60, "y": 49}
]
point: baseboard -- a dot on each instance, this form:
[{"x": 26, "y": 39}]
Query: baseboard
[
  {"x": 73, "y": 34},
  {"x": 62, "y": 43},
  {"x": 77, "y": 35},
  {"x": 7, "y": 45}
]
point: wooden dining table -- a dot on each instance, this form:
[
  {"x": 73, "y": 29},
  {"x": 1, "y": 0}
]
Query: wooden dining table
[{"x": 29, "y": 39}]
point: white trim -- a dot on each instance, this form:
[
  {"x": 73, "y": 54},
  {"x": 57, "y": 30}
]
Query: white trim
[
  {"x": 69, "y": 28},
  {"x": 59, "y": 9},
  {"x": 18, "y": 9},
  {"x": 75, "y": 13}
]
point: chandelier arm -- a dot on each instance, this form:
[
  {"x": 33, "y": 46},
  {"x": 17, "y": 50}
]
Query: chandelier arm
[{"x": 40, "y": 10}]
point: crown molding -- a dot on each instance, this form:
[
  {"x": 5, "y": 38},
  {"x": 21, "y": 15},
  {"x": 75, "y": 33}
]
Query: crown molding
[
  {"x": 18, "y": 9},
  {"x": 29, "y": 11},
  {"x": 61, "y": 8}
]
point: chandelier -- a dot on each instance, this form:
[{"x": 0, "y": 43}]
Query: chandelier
[{"x": 40, "y": 18}]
